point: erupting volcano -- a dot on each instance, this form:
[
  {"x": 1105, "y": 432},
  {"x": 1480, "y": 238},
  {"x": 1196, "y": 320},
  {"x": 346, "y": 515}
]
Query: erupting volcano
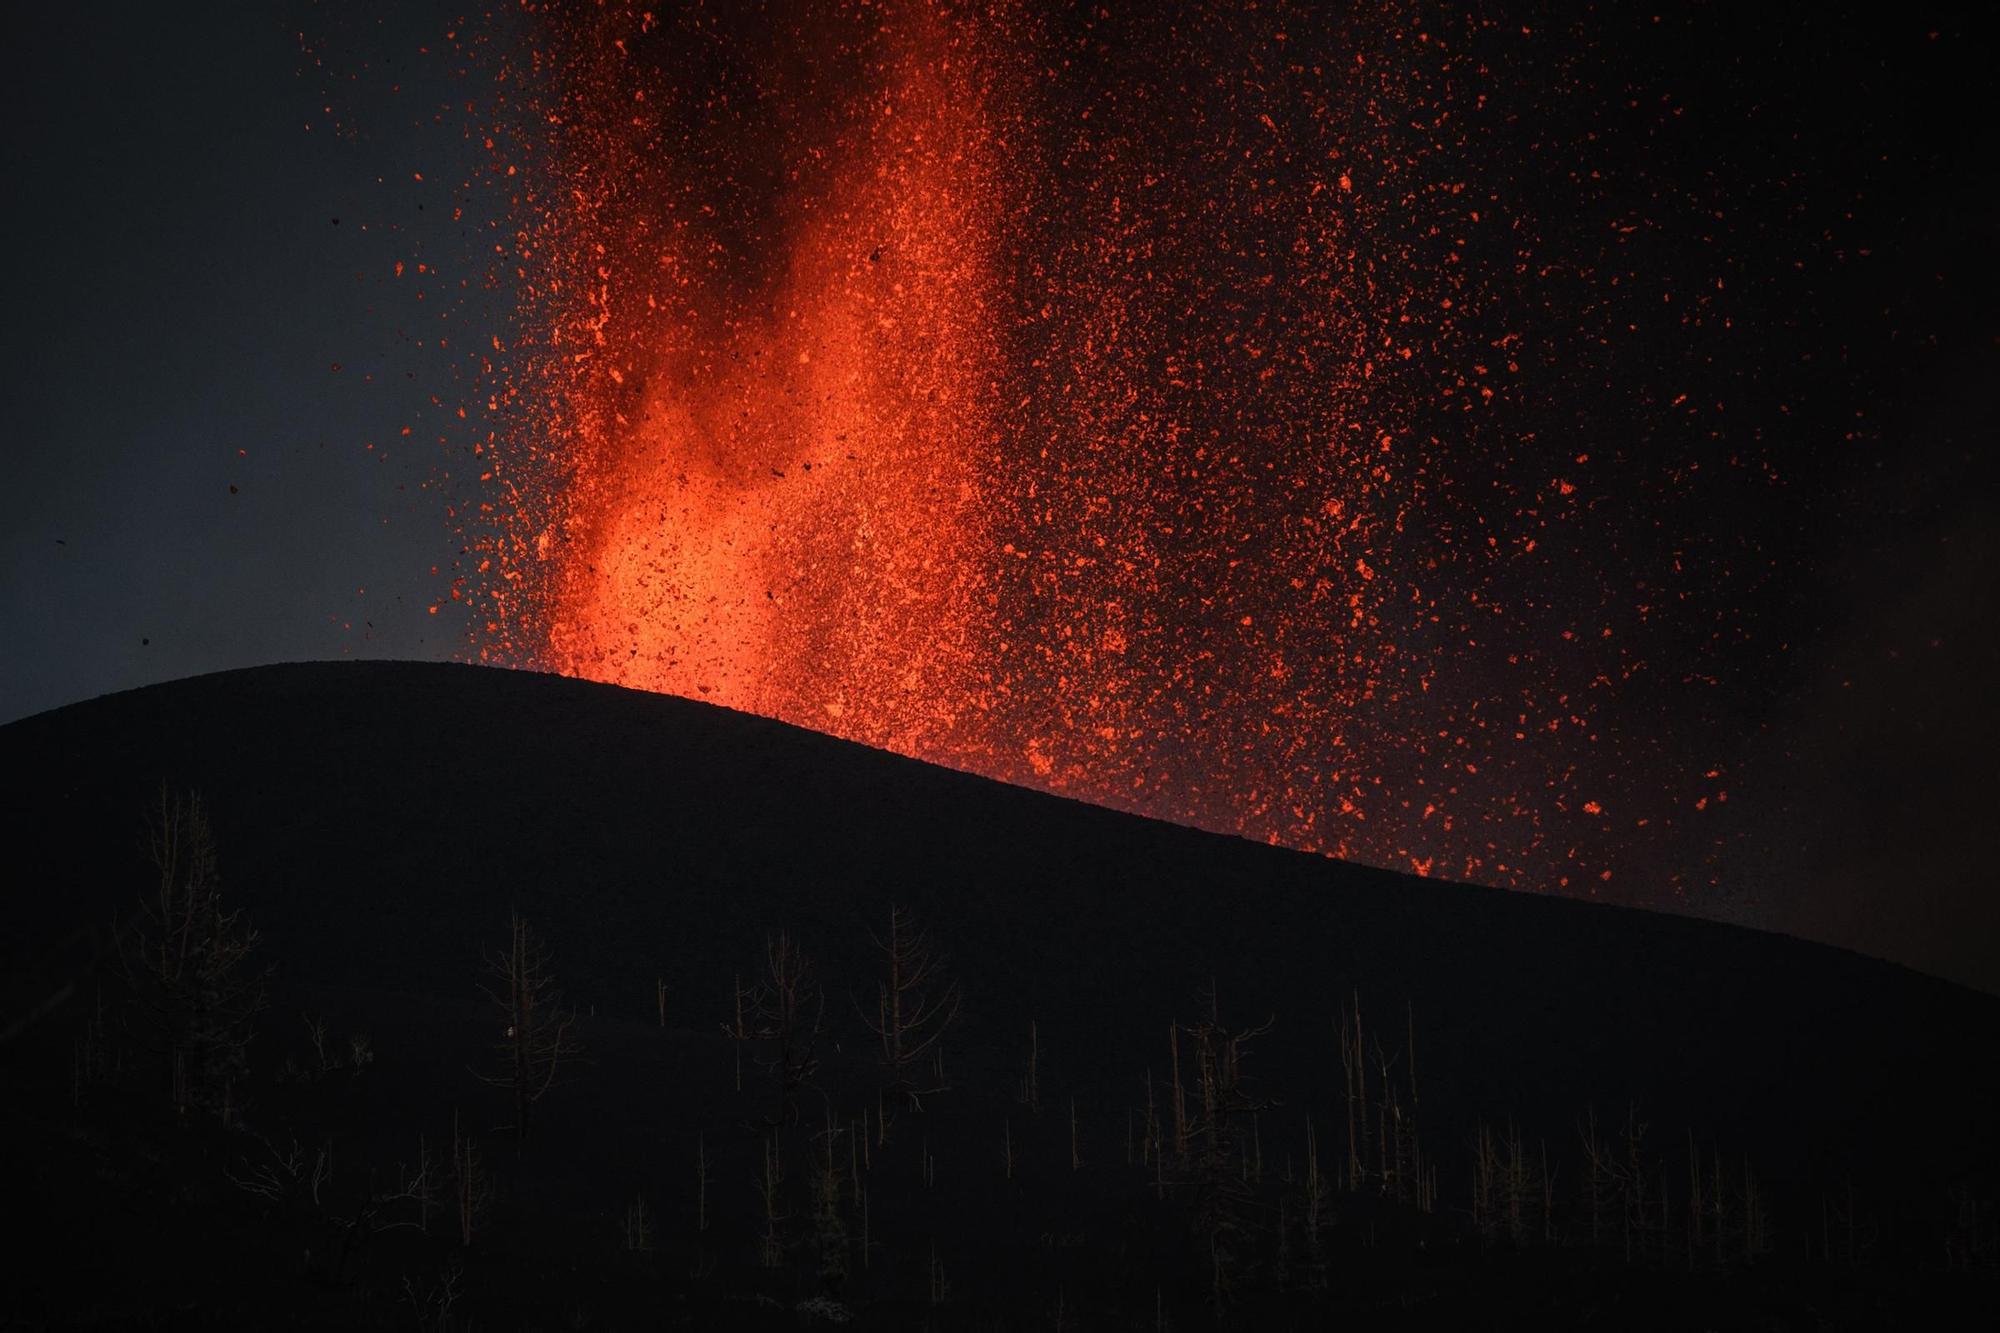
[
  {"x": 1121, "y": 531},
  {"x": 1214, "y": 416}
]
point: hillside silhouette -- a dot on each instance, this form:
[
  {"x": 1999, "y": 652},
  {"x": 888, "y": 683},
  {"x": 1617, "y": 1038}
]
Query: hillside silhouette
[{"x": 377, "y": 823}]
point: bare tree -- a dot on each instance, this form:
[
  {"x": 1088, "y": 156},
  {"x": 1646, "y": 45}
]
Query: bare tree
[
  {"x": 1520, "y": 1192},
  {"x": 637, "y": 1226},
  {"x": 1354, "y": 1075},
  {"x": 286, "y": 1175},
  {"x": 188, "y": 959},
  {"x": 830, "y": 1236},
  {"x": 1633, "y": 1175},
  {"x": 1599, "y": 1173},
  {"x": 1756, "y": 1214},
  {"x": 773, "y": 1240},
  {"x": 1620, "y": 1171},
  {"x": 354, "y": 1208},
  {"x": 788, "y": 1014},
  {"x": 1315, "y": 1211},
  {"x": 915, "y": 1003},
  {"x": 432, "y": 1303},
  {"x": 1486, "y": 1183},
  {"x": 940, "y": 1288},
  {"x": 471, "y": 1184},
  {"x": 1226, "y": 1210},
  {"x": 536, "y": 1040},
  {"x": 421, "y": 1183},
  {"x": 737, "y": 1030},
  {"x": 1180, "y": 1100}
]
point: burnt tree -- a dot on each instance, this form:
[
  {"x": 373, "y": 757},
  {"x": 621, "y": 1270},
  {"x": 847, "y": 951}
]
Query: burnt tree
[
  {"x": 186, "y": 958},
  {"x": 788, "y": 1015},
  {"x": 1228, "y": 1216},
  {"x": 915, "y": 1003},
  {"x": 535, "y": 1043}
]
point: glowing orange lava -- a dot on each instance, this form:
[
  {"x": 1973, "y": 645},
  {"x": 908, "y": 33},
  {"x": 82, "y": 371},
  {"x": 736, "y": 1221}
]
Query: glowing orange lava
[
  {"x": 781, "y": 484},
  {"x": 1127, "y": 408}
]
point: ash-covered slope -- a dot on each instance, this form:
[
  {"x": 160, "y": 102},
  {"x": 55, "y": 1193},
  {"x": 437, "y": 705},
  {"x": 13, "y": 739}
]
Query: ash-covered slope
[{"x": 377, "y": 820}]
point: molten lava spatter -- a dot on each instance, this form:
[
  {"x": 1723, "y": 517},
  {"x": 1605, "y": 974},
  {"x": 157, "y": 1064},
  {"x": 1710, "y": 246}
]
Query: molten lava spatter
[
  {"x": 1163, "y": 410},
  {"x": 778, "y": 459}
]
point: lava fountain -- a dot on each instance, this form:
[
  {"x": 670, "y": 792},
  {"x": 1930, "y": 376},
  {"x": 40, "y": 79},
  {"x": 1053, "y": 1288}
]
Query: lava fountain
[
  {"x": 1135, "y": 408},
  {"x": 775, "y": 482}
]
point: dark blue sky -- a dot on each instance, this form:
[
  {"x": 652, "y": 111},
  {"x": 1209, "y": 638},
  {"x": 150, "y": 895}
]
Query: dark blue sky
[{"x": 177, "y": 294}]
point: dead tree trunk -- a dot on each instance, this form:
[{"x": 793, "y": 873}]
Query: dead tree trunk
[
  {"x": 1225, "y": 1205},
  {"x": 535, "y": 1043},
  {"x": 788, "y": 1014},
  {"x": 915, "y": 1003},
  {"x": 188, "y": 960}
]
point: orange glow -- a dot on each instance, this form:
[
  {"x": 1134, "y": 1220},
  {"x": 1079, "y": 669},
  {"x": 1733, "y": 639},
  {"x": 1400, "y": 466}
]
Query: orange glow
[
  {"x": 890, "y": 373},
  {"x": 780, "y": 489}
]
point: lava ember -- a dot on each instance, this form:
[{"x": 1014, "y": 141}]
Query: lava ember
[{"x": 1231, "y": 416}]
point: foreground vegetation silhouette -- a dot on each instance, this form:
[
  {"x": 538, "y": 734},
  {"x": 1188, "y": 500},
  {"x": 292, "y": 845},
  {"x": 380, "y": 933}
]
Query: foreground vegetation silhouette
[{"x": 841, "y": 1106}]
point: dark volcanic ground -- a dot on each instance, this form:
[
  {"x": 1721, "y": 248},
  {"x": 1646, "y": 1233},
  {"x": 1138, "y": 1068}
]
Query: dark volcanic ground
[{"x": 376, "y": 821}]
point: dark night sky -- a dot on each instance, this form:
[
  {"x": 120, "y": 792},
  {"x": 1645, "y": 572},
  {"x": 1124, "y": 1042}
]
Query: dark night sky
[{"x": 191, "y": 484}]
